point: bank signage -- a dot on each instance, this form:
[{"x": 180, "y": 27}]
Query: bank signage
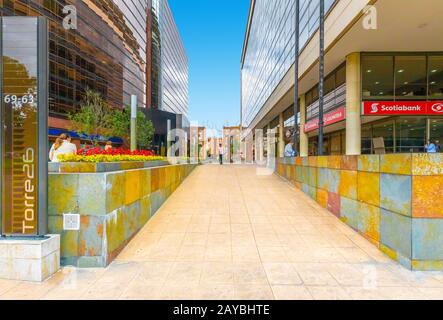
[
  {"x": 391, "y": 108},
  {"x": 23, "y": 132},
  {"x": 329, "y": 118}
]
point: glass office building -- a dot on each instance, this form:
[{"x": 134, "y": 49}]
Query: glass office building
[
  {"x": 106, "y": 52},
  {"x": 169, "y": 63},
  {"x": 269, "y": 48}
]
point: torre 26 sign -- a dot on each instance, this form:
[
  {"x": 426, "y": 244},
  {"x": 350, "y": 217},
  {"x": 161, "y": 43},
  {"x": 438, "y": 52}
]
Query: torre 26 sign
[{"x": 24, "y": 74}]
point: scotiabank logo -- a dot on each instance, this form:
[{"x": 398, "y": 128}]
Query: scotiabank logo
[
  {"x": 438, "y": 107},
  {"x": 374, "y": 108}
]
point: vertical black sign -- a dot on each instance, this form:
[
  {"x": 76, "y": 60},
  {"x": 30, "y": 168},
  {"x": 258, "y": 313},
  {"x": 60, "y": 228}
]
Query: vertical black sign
[{"x": 24, "y": 125}]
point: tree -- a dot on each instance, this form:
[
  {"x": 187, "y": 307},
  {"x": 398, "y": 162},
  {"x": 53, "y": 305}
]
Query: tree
[
  {"x": 145, "y": 131},
  {"x": 93, "y": 118},
  {"x": 120, "y": 121}
]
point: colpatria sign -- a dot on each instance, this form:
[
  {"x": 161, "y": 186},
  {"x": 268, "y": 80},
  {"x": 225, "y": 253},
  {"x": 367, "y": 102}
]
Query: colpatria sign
[{"x": 23, "y": 125}]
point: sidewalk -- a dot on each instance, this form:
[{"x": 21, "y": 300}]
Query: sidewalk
[{"x": 228, "y": 233}]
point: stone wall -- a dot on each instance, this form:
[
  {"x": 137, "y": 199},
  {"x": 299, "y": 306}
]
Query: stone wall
[
  {"x": 395, "y": 201},
  {"x": 113, "y": 207}
]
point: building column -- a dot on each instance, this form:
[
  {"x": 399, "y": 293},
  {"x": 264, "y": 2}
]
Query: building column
[
  {"x": 353, "y": 104},
  {"x": 281, "y": 136},
  {"x": 304, "y": 140}
]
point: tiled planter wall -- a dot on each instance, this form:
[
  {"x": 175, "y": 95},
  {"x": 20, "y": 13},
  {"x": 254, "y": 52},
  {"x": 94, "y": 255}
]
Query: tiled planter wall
[
  {"x": 113, "y": 207},
  {"x": 395, "y": 201}
]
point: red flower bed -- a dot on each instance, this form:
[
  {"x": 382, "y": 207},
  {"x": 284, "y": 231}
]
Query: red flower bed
[{"x": 88, "y": 151}]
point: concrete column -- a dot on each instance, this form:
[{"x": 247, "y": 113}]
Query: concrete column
[
  {"x": 281, "y": 136},
  {"x": 304, "y": 140},
  {"x": 353, "y": 104}
]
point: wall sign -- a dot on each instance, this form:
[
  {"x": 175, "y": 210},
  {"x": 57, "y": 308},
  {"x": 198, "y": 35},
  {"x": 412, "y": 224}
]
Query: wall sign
[
  {"x": 329, "y": 118},
  {"x": 391, "y": 108},
  {"x": 23, "y": 49}
]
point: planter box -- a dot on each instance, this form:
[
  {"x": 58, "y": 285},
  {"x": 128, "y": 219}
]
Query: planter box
[{"x": 111, "y": 207}]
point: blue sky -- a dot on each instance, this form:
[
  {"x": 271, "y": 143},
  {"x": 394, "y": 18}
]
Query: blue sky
[{"x": 213, "y": 32}]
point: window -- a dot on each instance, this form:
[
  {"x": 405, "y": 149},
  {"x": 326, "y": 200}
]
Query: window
[
  {"x": 378, "y": 78},
  {"x": 410, "y": 77},
  {"x": 385, "y": 130},
  {"x": 410, "y": 135},
  {"x": 366, "y": 139},
  {"x": 330, "y": 84},
  {"x": 340, "y": 76},
  {"x": 435, "y": 77},
  {"x": 436, "y": 132}
]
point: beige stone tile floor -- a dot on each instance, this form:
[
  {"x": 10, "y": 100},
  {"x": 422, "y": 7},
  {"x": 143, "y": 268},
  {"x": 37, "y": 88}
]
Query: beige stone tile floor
[{"x": 228, "y": 233}]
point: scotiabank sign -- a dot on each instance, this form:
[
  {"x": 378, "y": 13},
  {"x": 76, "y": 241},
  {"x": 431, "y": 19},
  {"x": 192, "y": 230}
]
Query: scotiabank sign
[
  {"x": 329, "y": 118},
  {"x": 391, "y": 108}
]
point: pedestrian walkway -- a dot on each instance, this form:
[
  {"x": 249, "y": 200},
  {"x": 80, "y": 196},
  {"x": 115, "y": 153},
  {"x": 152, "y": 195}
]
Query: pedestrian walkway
[{"x": 228, "y": 233}]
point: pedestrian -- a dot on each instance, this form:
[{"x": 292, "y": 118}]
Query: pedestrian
[
  {"x": 221, "y": 152},
  {"x": 61, "y": 147},
  {"x": 71, "y": 145},
  {"x": 289, "y": 150},
  {"x": 430, "y": 147},
  {"x": 108, "y": 146}
]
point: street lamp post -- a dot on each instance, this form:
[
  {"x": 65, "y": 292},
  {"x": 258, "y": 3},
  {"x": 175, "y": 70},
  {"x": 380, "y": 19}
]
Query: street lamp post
[
  {"x": 322, "y": 78},
  {"x": 296, "y": 57},
  {"x": 133, "y": 123}
]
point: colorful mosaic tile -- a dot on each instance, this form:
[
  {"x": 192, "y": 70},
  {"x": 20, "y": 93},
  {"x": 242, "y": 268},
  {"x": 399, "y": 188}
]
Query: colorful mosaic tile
[
  {"x": 322, "y": 198},
  {"x": 133, "y": 186},
  {"x": 348, "y": 184},
  {"x": 349, "y": 163},
  {"x": 396, "y": 232},
  {"x": 369, "y": 188},
  {"x": 322, "y": 161},
  {"x": 427, "y": 164},
  {"x": 312, "y": 178},
  {"x": 427, "y": 239},
  {"x": 396, "y": 193},
  {"x": 427, "y": 201},
  {"x": 349, "y": 212},
  {"x": 369, "y": 163},
  {"x": 62, "y": 194},
  {"x": 323, "y": 178},
  {"x": 334, "y": 162},
  {"x": 91, "y": 236},
  {"x": 369, "y": 221},
  {"x": 334, "y": 203},
  {"x": 396, "y": 163},
  {"x": 115, "y": 190},
  {"x": 334, "y": 180},
  {"x": 91, "y": 194},
  {"x": 312, "y": 162}
]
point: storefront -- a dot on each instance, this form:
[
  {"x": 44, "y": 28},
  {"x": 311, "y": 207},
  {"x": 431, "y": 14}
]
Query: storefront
[{"x": 402, "y": 105}]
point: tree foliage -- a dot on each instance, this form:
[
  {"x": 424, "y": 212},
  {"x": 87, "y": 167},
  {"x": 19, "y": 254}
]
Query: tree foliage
[
  {"x": 92, "y": 119},
  {"x": 145, "y": 131},
  {"x": 95, "y": 118}
]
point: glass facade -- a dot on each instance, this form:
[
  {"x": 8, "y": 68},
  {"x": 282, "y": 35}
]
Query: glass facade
[
  {"x": 403, "y": 134},
  {"x": 105, "y": 52},
  {"x": 269, "y": 51},
  {"x": 406, "y": 76},
  {"x": 174, "y": 65}
]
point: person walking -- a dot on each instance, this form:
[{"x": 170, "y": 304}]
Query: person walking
[
  {"x": 221, "y": 153},
  {"x": 430, "y": 147}
]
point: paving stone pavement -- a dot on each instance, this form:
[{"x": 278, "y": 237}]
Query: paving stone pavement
[{"x": 231, "y": 233}]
